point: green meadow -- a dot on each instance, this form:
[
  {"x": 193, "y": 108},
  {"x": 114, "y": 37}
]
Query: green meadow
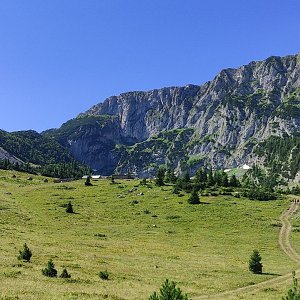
[{"x": 140, "y": 234}]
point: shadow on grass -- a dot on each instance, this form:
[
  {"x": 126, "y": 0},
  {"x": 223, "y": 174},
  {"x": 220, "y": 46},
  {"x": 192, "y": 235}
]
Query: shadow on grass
[{"x": 271, "y": 274}]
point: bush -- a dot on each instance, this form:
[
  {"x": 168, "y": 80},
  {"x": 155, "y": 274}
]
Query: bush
[
  {"x": 65, "y": 274},
  {"x": 255, "y": 265},
  {"x": 25, "y": 254},
  {"x": 104, "y": 275},
  {"x": 194, "y": 198},
  {"x": 169, "y": 291},
  {"x": 69, "y": 208},
  {"x": 50, "y": 271}
]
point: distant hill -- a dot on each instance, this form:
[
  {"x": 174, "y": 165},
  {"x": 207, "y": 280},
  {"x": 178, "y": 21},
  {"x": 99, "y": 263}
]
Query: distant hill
[{"x": 30, "y": 146}]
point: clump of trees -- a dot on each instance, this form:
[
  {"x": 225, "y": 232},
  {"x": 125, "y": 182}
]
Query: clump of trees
[
  {"x": 169, "y": 291},
  {"x": 255, "y": 265},
  {"x": 50, "y": 271},
  {"x": 57, "y": 170}
]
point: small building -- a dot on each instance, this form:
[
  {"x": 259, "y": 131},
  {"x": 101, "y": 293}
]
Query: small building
[
  {"x": 246, "y": 167},
  {"x": 92, "y": 176}
]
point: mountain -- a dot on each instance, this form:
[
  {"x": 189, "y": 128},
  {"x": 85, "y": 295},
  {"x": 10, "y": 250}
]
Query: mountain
[
  {"x": 242, "y": 116},
  {"x": 220, "y": 123}
]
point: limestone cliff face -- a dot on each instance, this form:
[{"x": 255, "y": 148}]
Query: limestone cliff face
[
  {"x": 229, "y": 115},
  {"x": 92, "y": 140}
]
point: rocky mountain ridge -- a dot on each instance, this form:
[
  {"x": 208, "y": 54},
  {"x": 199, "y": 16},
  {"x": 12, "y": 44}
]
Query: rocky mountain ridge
[
  {"x": 218, "y": 124},
  {"x": 229, "y": 115}
]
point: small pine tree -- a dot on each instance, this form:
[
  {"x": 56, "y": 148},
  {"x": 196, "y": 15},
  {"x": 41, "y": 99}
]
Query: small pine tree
[
  {"x": 255, "y": 265},
  {"x": 25, "y": 254},
  {"x": 169, "y": 291},
  {"x": 65, "y": 274},
  {"x": 104, "y": 275},
  {"x": 187, "y": 177},
  {"x": 194, "y": 198},
  {"x": 234, "y": 182},
  {"x": 69, "y": 208},
  {"x": 170, "y": 176},
  {"x": 293, "y": 293},
  {"x": 50, "y": 271},
  {"x": 160, "y": 176},
  {"x": 88, "y": 181}
]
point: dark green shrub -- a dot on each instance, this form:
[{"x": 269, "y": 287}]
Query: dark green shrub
[
  {"x": 104, "y": 275},
  {"x": 100, "y": 235},
  {"x": 25, "y": 254},
  {"x": 69, "y": 208},
  {"x": 169, "y": 291},
  {"x": 50, "y": 271},
  {"x": 65, "y": 274},
  {"x": 255, "y": 265}
]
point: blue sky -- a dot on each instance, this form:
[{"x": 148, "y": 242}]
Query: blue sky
[{"x": 60, "y": 57}]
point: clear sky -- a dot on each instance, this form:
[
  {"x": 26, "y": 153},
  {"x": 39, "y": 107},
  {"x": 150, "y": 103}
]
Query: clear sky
[{"x": 60, "y": 57}]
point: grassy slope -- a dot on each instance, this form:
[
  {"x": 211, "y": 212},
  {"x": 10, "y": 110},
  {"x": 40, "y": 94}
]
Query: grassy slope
[{"x": 204, "y": 248}]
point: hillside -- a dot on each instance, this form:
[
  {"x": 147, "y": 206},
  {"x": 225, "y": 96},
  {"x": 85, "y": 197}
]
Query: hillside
[
  {"x": 225, "y": 119},
  {"x": 140, "y": 234},
  {"x": 30, "y": 146}
]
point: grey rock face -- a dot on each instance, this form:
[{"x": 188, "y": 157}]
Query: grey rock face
[
  {"x": 6, "y": 155},
  {"x": 229, "y": 116}
]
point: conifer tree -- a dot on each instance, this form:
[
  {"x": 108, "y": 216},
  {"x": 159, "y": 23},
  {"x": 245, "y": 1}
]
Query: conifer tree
[
  {"x": 255, "y": 265},
  {"x": 65, "y": 274},
  {"x": 194, "y": 198},
  {"x": 50, "y": 270},
  {"x": 69, "y": 208},
  {"x": 294, "y": 292},
  {"x": 169, "y": 291},
  {"x": 160, "y": 176},
  {"x": 25, "y": 254},
  {"x": 88, "y": 181}
]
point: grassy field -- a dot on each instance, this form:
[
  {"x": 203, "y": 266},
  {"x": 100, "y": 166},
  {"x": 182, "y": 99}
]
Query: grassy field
[{"x": 148, "y": 237}]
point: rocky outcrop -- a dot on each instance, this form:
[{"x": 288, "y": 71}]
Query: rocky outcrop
[
  {"x": 4, "y": 155},
  {"x": 93, "y": 140}
]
